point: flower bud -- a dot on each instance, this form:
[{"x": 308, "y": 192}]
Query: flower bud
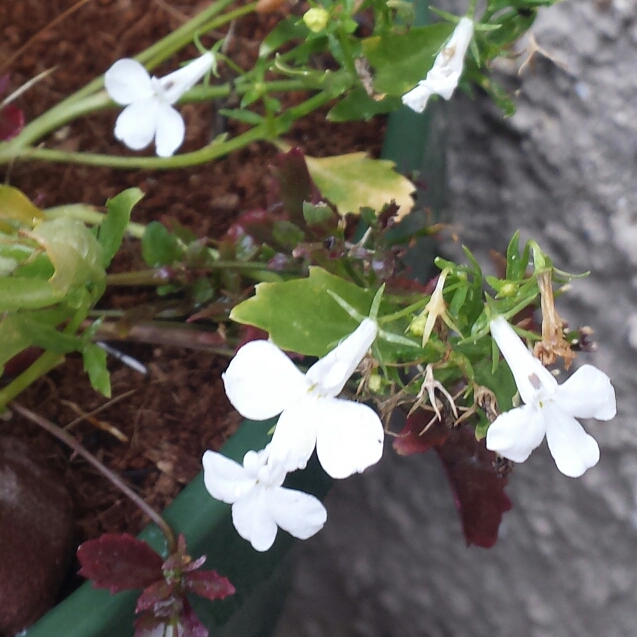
[{"x": 316, "y": 19}]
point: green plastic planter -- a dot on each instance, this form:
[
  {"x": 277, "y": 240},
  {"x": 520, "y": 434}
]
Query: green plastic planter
[{"x": 261, "y": 579}]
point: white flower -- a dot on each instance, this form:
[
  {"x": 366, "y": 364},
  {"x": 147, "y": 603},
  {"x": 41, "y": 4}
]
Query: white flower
[
  {"x": 259, "y": 503},
  {"x": 149, "y": 113},
  {"x": 261, "y": 382},
  {"x": 445, "y": 74},
  {"x": 549, "y": 408}
]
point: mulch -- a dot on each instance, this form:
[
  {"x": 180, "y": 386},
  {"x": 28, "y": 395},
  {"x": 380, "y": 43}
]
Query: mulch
[{"x": 169, "y": 417}]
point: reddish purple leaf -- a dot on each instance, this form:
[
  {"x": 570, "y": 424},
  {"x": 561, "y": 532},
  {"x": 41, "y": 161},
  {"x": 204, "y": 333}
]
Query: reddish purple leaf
[
  {"x": 209, "y": 584},
  {"x": 418, "y": 437},
  {"x": 155, "y": 595},
  {"x": 185, "y": 624},
  {"x": 119, "y": 562},
  {"x": 294, "y": 184},
  {"x": 11, "y": 122},
  {"x": 476, "y": 479}
]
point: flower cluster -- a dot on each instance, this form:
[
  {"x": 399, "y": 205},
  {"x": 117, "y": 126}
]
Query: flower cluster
[
  {"x": 549, "y": 409},
  {"x": 262, "y": 382}
]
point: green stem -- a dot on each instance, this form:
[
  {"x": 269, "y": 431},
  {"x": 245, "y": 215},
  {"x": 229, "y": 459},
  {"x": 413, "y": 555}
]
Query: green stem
[
  {"x": 214, "y": 150},
  {"x": 44, "y": 364},
  {"x": 91, "y": 97},
  {"x": 77, "y": 448},
  {"x": 89, "y": 215}
]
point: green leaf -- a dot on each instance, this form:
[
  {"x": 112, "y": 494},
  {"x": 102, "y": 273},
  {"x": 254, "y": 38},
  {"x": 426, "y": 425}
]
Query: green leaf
[
  {"x": 401, "y": 60},
  {"x": 13, "y": 335},
  {"x": 112, "y": 229},
  {"x": 355, "y": 181},
  {"x": 300, "y": 315},
  {"x": 316, "y": 215},
  {"x": 289, "y": 29},
  {"x": 25, "y": 293},
  {"x": 358, "y": 105},
  {"x": 74, "y": 252},
  {"x": 159, "y": 246},
  {"x": 287, "y": 234},
  {"x": 95, "y": 366}
]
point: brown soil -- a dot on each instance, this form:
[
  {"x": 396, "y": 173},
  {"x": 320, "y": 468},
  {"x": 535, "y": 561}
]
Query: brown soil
[{"x": 178, "y": 410}]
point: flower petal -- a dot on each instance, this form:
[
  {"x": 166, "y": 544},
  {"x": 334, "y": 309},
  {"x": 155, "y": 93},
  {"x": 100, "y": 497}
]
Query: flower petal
[
  {"x": 451, "y": 57},
  {"x": 294, "y": 438},
  {"x": 300, "y": 514},
  {"x": 225, "y": 479},
  {"x": 588, "y": 393},
  {"x": 175, "y": 84},
  {"x": 349, "y": 436},
  {"x": 524, "y": 366},
  {"x": 333, "y": 370},
  {"x": 253, "y": 521},
  {"x": 418, "y": 97},
  {"x": 515, "y": 433},
  {"x": 127, "y": 81},
  {"x": 572, "y": 448},
  {"x": 171, "y": 130},
  {"x": 136, "y": 124},
  {"x": 261, "y": 381}
]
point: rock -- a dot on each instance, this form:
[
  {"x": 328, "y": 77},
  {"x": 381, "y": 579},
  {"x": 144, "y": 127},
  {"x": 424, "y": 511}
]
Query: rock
[{"x": 36, "y": 533}]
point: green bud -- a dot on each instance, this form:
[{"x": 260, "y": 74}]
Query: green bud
[
  {"x": 417, "y": 325},
  {"x": 374, "y": 383},
  {"x": 316, "y": 19}
]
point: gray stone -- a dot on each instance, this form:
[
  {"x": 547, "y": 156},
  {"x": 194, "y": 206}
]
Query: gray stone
[
  {"x": 391, "y": 561},
  {"x": 36, "y": 533}
]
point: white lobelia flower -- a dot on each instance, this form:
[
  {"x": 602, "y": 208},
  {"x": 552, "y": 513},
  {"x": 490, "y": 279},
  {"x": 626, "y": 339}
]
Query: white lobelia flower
[
  {"x": 149, "y": 113},
  {"x": 445, "y": 74},
  {"x": 259, "y": 503},
  {"x": 261, "y": 382},
  {"x": 549, "y": 408}
]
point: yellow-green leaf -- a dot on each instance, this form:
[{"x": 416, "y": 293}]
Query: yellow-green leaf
[
  {"x": 355, "y": 181},
  {"x": 15, "y": 206},
  {"x": 74, "y": 252}
]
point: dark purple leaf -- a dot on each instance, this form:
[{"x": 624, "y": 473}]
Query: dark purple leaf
[
  {"x": 474, "y": 473},
  {"x": 209, "y": 584},
  {"x": 119, "y": 562},
  {"x": 11, "y": 122}
]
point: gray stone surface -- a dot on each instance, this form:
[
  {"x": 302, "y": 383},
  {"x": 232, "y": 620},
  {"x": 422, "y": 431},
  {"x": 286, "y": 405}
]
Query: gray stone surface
[{"x": 391, "y": 561}]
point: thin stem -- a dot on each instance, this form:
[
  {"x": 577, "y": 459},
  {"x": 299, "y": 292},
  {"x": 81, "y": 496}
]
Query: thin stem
[
  {"x": 90, "y": 215},
  {"x": 77, "y": 448},
  {"x": 174, "y": 334}
]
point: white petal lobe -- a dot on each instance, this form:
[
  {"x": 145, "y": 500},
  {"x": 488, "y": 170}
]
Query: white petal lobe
[
  {"x": 127, "y": 81},
  {"x": 294, "y": 438},
  {"x": 300, "y": 514},
  {"x": 261, "y": 381},
  {"x": 349, "y": 437},
  {"x": 588, "y": 393},
  {"x": 253, "y": 521},
  {"x": 573, "y": 450},
  {"x": 225, "y": 479},
  {"x": 170, "y": 130},
  {"x": 516, "y": 433},
  {"x": 137, "y": 123}
]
